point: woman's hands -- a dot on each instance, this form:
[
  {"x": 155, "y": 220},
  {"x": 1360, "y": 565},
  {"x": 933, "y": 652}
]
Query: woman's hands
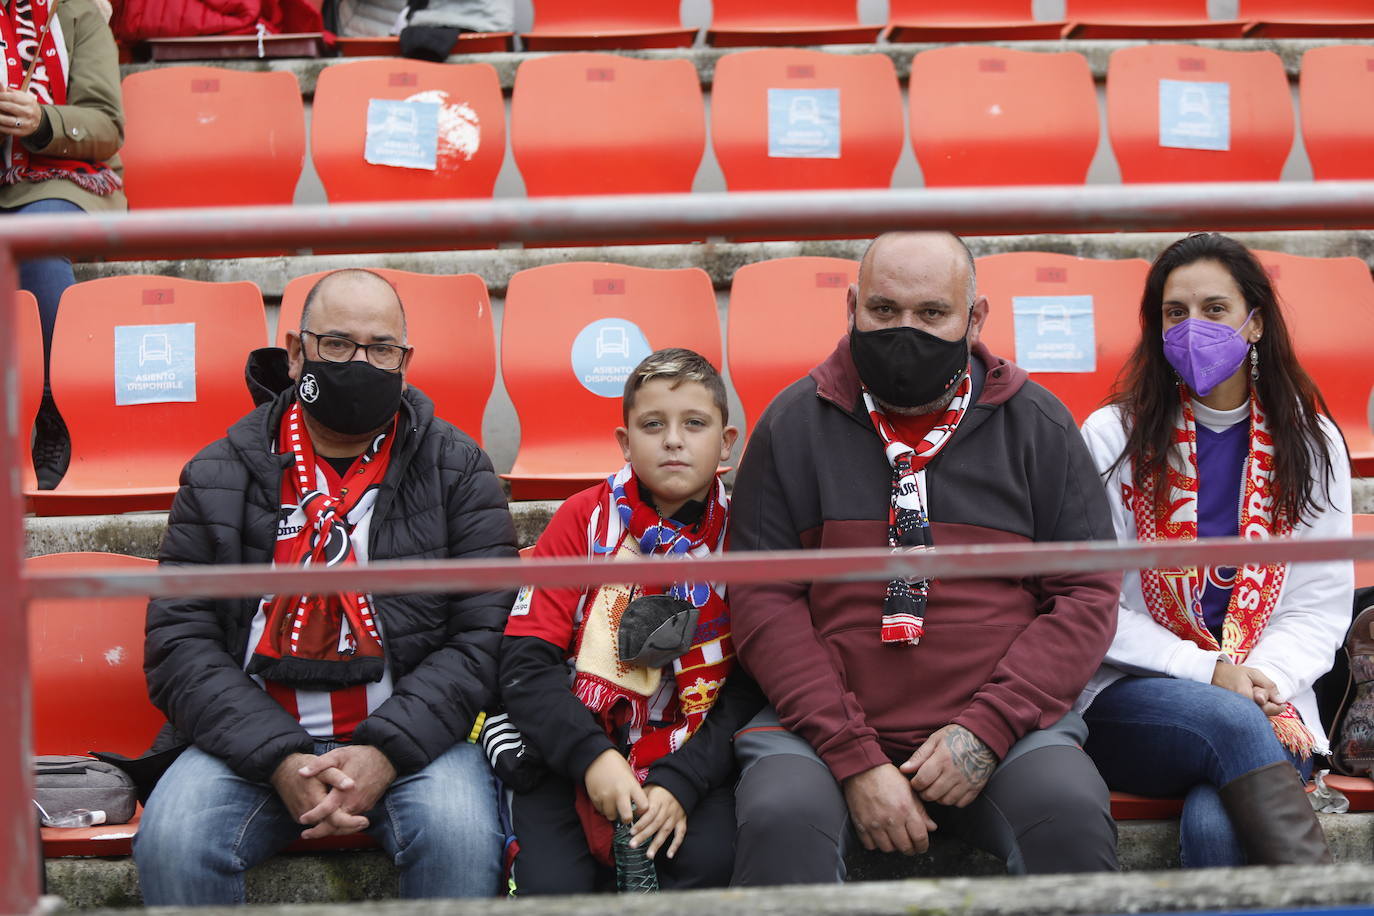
[
  {"x": 1248, "y": 682},
  {"x": 20, "y": 113}
]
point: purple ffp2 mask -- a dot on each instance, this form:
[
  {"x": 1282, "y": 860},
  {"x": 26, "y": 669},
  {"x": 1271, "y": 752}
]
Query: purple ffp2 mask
[{"x": 1205, "y": 353}]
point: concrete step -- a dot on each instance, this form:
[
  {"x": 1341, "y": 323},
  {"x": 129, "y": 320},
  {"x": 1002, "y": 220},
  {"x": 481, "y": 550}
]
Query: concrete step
[
  {"x": 719, "y": 259},
  {"x": 307, "y": 70},
  {"x": 877, "y": 882}
]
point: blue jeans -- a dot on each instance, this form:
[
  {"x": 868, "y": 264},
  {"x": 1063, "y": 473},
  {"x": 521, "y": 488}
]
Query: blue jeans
[
  {"x": 47, "y": 278},
  {"x": 1171, "y": 738},
  {"x": 204, "y": 826}
]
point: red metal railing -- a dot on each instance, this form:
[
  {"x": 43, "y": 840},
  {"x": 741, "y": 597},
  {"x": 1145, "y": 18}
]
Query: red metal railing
[{"x": 858, "y": 213}]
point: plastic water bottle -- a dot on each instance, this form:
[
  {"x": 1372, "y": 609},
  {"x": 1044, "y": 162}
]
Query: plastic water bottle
[
  {"x": 81, "y": 817},
  {"x": 634, "y": 870}
]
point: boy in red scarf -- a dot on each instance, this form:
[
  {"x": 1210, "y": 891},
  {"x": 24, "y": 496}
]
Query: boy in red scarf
[{"x": 644, "y": 734}]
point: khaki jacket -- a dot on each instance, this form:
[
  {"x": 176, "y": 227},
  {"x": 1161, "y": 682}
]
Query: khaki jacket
[{"x": 91, "y": 125}]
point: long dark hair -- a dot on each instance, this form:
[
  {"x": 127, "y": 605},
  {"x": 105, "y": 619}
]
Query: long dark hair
[{"x": 1147, "y": 388}]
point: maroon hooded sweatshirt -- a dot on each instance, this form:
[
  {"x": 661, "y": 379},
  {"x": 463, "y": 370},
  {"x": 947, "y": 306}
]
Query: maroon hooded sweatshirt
[{"x": 1001, "y": 656}]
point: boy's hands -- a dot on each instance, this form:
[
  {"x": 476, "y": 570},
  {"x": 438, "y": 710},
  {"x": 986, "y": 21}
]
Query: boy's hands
[
  {"x": 613, "y": 788},
  {"x": 663, "y": 818}
]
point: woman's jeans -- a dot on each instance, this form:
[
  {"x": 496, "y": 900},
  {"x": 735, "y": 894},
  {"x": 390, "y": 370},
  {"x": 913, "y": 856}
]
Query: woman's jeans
[
  {"x": 48, "y": 277},
  {"x": 204, "y": 826},
  {"x": 1167, "y": 737}
]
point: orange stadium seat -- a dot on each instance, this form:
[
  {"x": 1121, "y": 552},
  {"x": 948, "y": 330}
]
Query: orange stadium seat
[
  {"x": 1308, "y": 18},
  {"x": 1156, "y": 19},
  {"x": 1363, "y": 524},
  {"x": 471, "y": 129},
  {"x": 601, "y": 124},
  {"x": 1329, "y": 308},
  {"x": 987, "y": 20},
  {"x": 89, "y": 693},
  {"x": 786, "y": 316},
  {"x": 1229, "y": 113},
  {"x": 750, "y": 23},
  {"x": 588, "y": 25},
  {"x": 211, "y": 137},
  {"x": 451, "y": 316},
  {"x": 30, "y": 347},
  {"x": 570, "y": 336},
  {"x": 1058, "y": 293},
  {"x": 752, "y": 142},
  {"x": 1336, "y": 83},
  {"x": 146, "y": 371},
  {"x": 978, "y": 116}
]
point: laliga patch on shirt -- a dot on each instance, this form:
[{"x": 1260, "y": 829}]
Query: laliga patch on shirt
[{"x": 522, "y": 601}]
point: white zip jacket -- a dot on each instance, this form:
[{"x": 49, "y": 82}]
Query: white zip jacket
[{"x": 1308, "y": 624}]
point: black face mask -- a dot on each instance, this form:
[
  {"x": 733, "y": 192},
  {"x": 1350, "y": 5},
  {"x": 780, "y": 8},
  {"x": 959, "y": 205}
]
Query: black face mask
[
  {"x": 906, "y": 367},
  {"x": 351, "y": 398}
]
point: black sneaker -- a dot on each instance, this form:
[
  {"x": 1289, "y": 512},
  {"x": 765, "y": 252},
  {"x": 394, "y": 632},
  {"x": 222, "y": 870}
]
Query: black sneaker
[{"x": 52, "y": 446}]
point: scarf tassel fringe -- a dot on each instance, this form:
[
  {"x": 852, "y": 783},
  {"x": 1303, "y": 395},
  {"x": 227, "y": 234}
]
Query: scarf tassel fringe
[{"x": 103, "y": 182}]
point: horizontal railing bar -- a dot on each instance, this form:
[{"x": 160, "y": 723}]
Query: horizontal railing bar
[
  {"x": 954, "y": 562},
  {"x": 665, "y": 217}
]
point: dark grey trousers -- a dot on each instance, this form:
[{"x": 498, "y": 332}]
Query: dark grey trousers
[{"x": 1044, "y": 810}]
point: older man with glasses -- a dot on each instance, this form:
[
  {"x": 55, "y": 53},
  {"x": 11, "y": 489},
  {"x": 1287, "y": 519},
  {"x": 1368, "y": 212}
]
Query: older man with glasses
[{"x": 314, "y": 715}]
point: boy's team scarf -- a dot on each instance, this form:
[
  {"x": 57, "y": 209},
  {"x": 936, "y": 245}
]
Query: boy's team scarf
[
  {"x": 1174, "y": 596},
  {"x": 619, "y": 695},
  {"x": 321, "y": 642},
  {"x": 908, "y": 520},
  {"x": 21, "y": 25}
]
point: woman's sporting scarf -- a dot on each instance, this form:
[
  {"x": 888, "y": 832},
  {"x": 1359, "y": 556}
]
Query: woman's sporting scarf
[
  {"x": 21, "y": 26},
  {"x": 619, "y": 694},
  {"x": 321, "y": 642},
  {"x": 908, "y": 520},
  {"x": 1174, "y": 596}
]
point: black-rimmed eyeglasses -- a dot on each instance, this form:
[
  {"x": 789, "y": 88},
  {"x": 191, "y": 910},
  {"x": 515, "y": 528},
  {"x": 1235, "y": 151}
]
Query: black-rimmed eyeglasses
[{"x": 335, "y": 349}]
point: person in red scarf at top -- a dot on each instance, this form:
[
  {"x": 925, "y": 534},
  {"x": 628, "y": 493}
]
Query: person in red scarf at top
[
  {"x": 61, "y": 133},
  {"x": 325, "y": 714},
  {"x": 1216, "y": 431},
  {"x": 644, "y": 733}
]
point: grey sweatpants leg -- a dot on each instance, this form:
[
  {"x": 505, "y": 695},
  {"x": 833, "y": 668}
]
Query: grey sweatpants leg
[{"x": 1044, "y": 810}]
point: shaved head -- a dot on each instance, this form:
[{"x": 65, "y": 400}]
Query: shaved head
[
  {"x": 354, "y": 283},
  {"x": 905, "y": 244}
]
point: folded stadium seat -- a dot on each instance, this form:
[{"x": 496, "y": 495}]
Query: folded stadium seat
[
  {"x": 784, "y": 119},
  {"x": 571, "y": 334},
  {"x": 1227, "y": 115},
  {"x": 390, "y": 45},
  {"x": 602, "y": 124},
  {"x": 1329, "y": 308},
  {"x": 978, "y": 116},
  {"x": 29, "y": 331},
  {"x": 1336, "y": 83},
  {"x": 146, "y": 371},
  {"x": 751, "y": 23},
  {"x": 437, "y": 131},
  {"x": 1048, "y": 311},
  {"x": 211, "y": 137},
  {"x": 1308, "y": 18},
  {"x": 589, "y": 25},
  {"x": 785, "y": 317},
  {"x": 448, "y": 320},
  {"x": 1154, "y": 19},
  {"x": 987, "y": 20}
]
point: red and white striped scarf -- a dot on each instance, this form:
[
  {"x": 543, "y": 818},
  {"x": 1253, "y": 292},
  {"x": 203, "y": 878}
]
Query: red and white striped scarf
[
  {"x": 1174, "y": 596},
  {"x": 321, "y": 642},
  {"x": 22, "y": 28},
  {"x": 908, "y": 519},
  {"x": 624, "y": 525}
]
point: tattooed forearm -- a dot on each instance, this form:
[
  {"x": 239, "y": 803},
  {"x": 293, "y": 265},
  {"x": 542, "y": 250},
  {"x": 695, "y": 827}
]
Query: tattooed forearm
[{"x": 971, "y": 756}]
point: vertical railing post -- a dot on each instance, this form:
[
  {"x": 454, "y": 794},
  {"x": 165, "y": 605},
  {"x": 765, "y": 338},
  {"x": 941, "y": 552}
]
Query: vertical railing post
[{"x": 19, "y": 854}]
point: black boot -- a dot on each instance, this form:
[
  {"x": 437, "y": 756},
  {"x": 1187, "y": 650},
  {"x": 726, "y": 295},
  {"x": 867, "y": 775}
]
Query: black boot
[
  {"x": 52, "y": 447},
  {"x": 1273, "y": 819}
]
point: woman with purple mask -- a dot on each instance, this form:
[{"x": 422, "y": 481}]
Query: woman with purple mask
[{"x": 1215, "y": 430}]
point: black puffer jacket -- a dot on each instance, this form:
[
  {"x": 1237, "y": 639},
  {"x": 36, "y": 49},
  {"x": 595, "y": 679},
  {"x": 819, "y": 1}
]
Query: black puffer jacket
[{"x": 440, "y": 499}]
